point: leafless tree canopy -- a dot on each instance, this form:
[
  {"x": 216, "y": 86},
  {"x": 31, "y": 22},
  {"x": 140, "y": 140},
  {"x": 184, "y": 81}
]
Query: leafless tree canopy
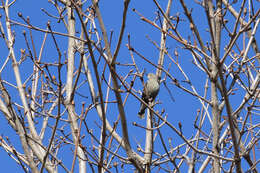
[{"x": 70, "y": 91}]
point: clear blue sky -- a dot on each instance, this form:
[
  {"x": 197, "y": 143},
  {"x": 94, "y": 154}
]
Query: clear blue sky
[{"x": 182, "y": 110}]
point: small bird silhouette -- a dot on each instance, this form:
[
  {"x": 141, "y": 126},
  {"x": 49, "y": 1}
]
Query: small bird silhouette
[{"x": 150, "y": 91}]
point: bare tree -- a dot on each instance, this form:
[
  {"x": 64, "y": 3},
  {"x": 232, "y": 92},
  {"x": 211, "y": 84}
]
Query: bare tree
[{"x": 69, "y": 108}]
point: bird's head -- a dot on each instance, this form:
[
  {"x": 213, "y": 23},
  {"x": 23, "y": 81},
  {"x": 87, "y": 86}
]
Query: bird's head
[{"x": 152, "y": 76}]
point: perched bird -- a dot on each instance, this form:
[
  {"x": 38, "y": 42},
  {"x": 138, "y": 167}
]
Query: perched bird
[{"x": 150, "y": 91}]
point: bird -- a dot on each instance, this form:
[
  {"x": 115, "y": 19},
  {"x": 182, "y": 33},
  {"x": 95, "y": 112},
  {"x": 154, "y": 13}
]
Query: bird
[{"x": 150, "y": 91}]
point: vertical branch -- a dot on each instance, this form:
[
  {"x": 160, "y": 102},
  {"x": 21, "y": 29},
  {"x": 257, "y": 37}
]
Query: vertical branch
[
  {"x": 16, "y": 124},
  {"x": 148, "y": 140},
  {"x": 130, "y": 153},
  {"x": 103, "y": 116},
  {"x": 100, "y": 107},
  {"x": 36, "y": 147},
  {"x": 223, "y": 86},
  {"x": 242, "y": 22},
  {"x": 149, "y": 121},
  {"x": 195, "y": 28},
  {"x": 71, "y": 58},
  {"x": 126, "y": 3},
  {"x": 232, "y": 127},
  {"x": 69, "y": 85},
  {"x": 163, "y": 39},
  {"x": 59, "y": 105},
  {"x": 218, "y": 21},
  {"x": 17, "y": 74},
  {"x": 36, "y": 76},
  {"x": 215, "y": 29}
]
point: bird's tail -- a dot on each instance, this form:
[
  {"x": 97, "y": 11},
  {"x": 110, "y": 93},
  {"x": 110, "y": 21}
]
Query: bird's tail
[{"x": 142, "y": 111}]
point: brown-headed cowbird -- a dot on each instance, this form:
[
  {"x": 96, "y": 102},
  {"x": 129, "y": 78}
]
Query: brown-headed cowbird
[{"x": 150, "y": 91}]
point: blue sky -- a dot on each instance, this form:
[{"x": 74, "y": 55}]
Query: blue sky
[{"x": 182, "y": 110}]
